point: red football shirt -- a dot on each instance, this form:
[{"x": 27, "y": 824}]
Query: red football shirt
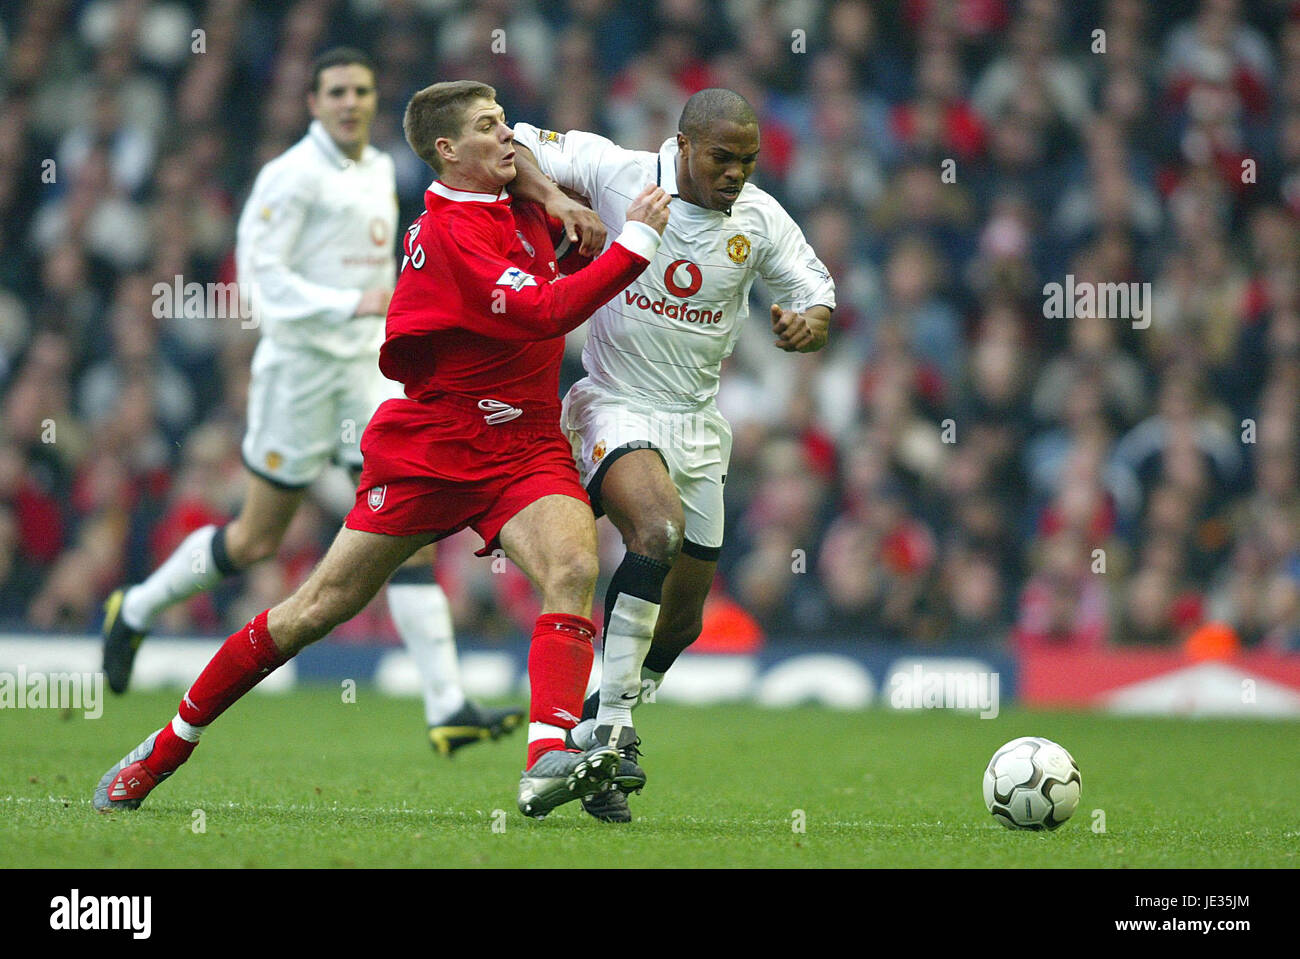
[{"x": 478, "y": 310}]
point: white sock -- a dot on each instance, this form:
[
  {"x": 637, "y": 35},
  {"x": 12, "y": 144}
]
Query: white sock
[
  {"x": 185, "y": 731},
  {"x": 186, "y": 572},
  {"x": 538, "y": 731},
  {"x": 628, "y": 634},
  {"x": 423, "y": 620}
]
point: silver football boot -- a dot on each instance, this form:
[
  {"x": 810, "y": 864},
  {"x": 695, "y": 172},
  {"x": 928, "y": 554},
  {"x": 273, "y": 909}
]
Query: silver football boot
[
  {"x": 611, "y": 805},
  {"x": 560, "y": 776}
]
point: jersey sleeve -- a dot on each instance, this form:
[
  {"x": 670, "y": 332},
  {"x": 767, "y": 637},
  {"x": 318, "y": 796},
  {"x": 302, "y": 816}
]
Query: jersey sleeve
[
  {"x": 268, "y": 233},
  {"x": 578, "y": 161},
  {"x": 504, "y": 302},
  {"x": 791, "y": 269}
]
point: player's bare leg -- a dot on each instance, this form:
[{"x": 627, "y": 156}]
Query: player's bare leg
[
  {"x": 349, "y": 576},
  {"x": 422, "y": 616},
  {"x": 553, "y": 540},
  {"x": 202, "y": 560},
  {"x": 258, "y": 530},
  {"x": 681, "y": 618}
]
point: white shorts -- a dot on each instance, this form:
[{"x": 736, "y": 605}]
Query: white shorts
[
  {"x": 695, "y": 446},
  {"x": 307, "y": 409}
]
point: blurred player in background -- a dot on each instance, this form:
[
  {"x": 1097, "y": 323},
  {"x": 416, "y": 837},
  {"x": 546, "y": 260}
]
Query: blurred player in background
[
  {"x": 649, "y": 441},
  {"x": 475, "y": 332},
  {"x": 315, "y": 256}
]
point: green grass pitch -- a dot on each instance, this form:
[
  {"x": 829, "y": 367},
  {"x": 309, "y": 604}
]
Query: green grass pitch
[{"x": 305, "y": 780}]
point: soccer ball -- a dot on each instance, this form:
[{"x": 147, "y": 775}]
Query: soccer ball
[{"x": 1032, "y": 783}]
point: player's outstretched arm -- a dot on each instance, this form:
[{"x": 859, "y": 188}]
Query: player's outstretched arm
[
  {"x": 805, "y": 332},
  {"x": 580, "y": 221},
  {"x": 508, "y": 304}
]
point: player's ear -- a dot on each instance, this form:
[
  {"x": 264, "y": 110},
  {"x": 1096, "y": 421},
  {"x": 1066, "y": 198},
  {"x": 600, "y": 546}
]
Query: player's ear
[
  {"x": 445, "y": 149},
  {"x": 683, "y": 144}
]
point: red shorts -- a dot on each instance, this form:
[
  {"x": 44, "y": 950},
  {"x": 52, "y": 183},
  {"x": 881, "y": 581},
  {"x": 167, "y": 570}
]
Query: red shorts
[{"x": 438, "y": 467}]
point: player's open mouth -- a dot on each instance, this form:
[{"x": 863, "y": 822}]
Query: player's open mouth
[{"x": 730, "y": 192}]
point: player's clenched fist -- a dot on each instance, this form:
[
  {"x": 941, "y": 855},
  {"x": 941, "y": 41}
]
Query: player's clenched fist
[
  {"x": 651, "y": 208},
  {"x": 798, "y": 332}
]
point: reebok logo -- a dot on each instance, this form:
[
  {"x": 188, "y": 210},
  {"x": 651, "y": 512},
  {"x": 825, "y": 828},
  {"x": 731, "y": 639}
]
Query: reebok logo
[
  {"x": 107, "y": 913},
  {"x": 565, "y": 714}
]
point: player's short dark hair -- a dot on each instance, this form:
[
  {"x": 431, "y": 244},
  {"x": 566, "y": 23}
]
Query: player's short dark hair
[
  {"x": 339, "y": 57},
  {"x": 711, "y": 106},
  {"x": 439, "y": 111}
]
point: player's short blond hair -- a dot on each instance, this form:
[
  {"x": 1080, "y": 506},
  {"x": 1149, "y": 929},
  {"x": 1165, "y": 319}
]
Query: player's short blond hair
[{"x": 439, "y": 111}]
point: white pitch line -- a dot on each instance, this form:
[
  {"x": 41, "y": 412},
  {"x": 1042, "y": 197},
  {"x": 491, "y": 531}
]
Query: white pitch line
[
  {"x": 273, "y": 807},
  {"x": 474, "y": 817}
]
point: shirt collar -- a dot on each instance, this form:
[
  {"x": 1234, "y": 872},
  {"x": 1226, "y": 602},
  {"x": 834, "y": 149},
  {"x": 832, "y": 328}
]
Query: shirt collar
[
  {"x": 331, "y": 149},
  {"x": 668, "y": 166},
  {"x": 465, "y": 196}
]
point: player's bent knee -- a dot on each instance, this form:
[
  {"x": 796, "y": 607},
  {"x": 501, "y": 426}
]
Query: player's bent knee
[
  {"x": 573, "y": 575},
  {"x": 659, "y": 537},
  {"x": 327, "y": 607}
]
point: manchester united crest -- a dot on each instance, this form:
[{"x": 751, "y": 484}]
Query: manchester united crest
[
  {"x": 738, "y": 248},
  {"x": 599, "y": 452}
]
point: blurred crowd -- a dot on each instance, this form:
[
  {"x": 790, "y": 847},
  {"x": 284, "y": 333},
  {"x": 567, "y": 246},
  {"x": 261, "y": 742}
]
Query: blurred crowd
[{"x": 962, "y": 465}]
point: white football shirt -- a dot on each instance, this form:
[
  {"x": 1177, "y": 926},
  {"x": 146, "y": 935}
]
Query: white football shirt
[
  {"x": 663, "y": 339},
  {"x": 316, "y": 231}
]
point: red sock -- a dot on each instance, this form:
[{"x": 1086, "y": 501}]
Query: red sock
[
  {"x": 169, "y": 751},
  {"x": 559, "y": 665},
  {"x": 242, "y": 662}
]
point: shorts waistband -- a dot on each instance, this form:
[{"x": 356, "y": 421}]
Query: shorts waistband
[{"x": 661, "y": 403}]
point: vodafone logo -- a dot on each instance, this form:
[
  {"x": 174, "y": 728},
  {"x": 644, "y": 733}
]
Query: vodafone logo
[
  {"x": 694, "y": 282},
  {"x": 674, "y": 311}
]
